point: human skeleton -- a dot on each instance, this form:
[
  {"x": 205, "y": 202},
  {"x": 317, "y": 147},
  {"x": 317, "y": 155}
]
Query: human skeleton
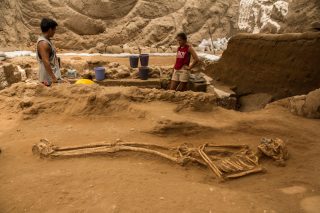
[{"x": 225, "y": 161}]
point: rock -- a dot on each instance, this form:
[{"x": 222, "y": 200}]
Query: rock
[
  {"x": 92, "y": 50},
  {"x": 113, "y": 65},
  {"x": 9, "y": 74},
  {"x": 154, "y": 73},
  {"x": 135, "y": 74},
  {"x": 108, "y": 49},
  {"x": 114, "y": 71},
  {"x": 101, "y": 48},
  {"x": 124, "y": 68},
  {"x": 126, "y": 48},
  {"x": 23, "y": 73},
  {"x": 117, "y": 49},
  {"x": 311, "y": 108},
  {"x": 12, "y": 73},
  {"x": 114, "y": 49},
  {"x": 109, "y": 74},
  {"x": 296, "y": 104},
  {"x": 86, "y": 26},
  {"x": 306, "y": 105}
]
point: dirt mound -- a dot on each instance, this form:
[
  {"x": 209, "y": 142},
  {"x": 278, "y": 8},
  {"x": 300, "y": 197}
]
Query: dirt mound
[
  {"x": 34, "y": 99},
  {"x": 99, "y": 24},
  {"x": 280, "y": 65}
]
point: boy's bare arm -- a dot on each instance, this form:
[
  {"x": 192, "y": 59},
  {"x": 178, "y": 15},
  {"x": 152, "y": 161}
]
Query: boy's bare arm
[{"x": 194, "y": 57}]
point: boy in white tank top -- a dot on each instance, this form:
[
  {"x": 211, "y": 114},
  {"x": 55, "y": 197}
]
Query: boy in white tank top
[{"x": 49, "y": 69}]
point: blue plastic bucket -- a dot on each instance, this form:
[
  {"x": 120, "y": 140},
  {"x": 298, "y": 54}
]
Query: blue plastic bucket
[
  {"x": 144, "y": 60},
  {"x": 144, "y": 73},
  {"x": 134, "y": 61},
  {"x": 100, "y": 73}
]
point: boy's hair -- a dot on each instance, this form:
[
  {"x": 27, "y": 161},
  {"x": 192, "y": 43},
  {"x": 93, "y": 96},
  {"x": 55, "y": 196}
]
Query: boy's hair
[
  {"x": 47, "y": 24},
  {"x": 183, "y": 36},
  {"x": 88, "y": 76}
]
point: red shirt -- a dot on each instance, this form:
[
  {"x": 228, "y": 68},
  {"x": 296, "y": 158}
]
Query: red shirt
[{"x": 183, "y": 57}]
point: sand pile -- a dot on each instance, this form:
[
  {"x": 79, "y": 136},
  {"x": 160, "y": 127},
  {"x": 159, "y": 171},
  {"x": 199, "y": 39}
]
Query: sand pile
[
  {"x": 97, "y": 24},
  {"x": 279, "y": 65}
]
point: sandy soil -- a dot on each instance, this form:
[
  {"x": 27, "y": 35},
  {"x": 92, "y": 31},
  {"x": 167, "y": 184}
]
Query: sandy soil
[{"x": 138, "y": 183}]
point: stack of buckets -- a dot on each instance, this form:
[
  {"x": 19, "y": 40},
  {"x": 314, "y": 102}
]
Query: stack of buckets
[{"x": 144, "y": 69}]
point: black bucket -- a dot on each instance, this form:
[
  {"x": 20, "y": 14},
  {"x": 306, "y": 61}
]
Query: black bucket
[
  {"x": 144, "y": 60},
  {"x": 144, "y": 73},
  {"x": 134, "y": 61}
]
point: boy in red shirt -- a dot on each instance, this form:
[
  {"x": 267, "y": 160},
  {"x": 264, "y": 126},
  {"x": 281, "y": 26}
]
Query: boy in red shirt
[{"x": 180, "y": 77}]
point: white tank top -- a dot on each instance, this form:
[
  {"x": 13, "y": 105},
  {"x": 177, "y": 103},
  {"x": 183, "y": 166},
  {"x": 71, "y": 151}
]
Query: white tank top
[{"x": 43, "y": 74}]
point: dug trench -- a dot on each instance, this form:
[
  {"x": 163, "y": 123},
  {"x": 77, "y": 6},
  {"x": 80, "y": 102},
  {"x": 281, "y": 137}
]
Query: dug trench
[
  {"x": 77, "y": 115},
  {"x": 68, "y": 115}
]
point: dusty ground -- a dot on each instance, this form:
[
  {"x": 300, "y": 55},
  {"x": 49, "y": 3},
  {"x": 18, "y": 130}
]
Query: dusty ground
[{"x": 138, "y": 183}]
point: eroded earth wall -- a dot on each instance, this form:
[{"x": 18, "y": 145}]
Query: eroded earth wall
[
  {"x": 281, "y": 65},
  {"x": 84, "y": 24}
]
